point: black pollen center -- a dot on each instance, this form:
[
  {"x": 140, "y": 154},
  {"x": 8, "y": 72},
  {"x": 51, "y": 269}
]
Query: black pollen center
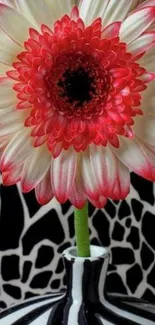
[{"x": 77, "y": 86}]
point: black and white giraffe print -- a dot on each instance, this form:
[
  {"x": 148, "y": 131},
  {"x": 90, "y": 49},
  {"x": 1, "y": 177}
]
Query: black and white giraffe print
[
  {"x": 32, "y": 239},
  {"x": 85, "y": 302}
]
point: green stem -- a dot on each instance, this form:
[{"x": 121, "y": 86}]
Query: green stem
[{"x": 82, "y": 231}]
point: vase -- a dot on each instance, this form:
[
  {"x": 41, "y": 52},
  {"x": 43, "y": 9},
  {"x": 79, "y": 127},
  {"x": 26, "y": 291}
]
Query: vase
[{"x": 85, "y": 300}]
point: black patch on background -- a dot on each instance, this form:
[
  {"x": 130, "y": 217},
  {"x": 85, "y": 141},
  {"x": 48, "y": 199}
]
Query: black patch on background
[
  {"x": 122, "y": 255},
  {"x": 11, "y": 219},
  {"x": 65, "y": 207},
  {"x": 63, "y": 247},
  {"x": 128, "y": 222},
  {"x": 44, "y": 257},
  {"x": 148, "y": 228},
  {"x": 91, "y": 209},
  {"x": 112, "y": 267},
  {"x": 13, "y": 291},
  {"x": 148, "y": 296},
  {"x": 55, "y": 284},
  {"x": 10, "y": 267},
  {"x": 118, "y": 232},
  {"x": 110, "y": 208},
  {"x": 133, "y": 237},
  {"x": 95, "y": 241},
  {"x": 143, "y": 187},
  {"x": 151, "y": 277},
  {"x": 71, "y": 225},
  {"x": 60, "y": 266},
  {"x": 134, "y": 277},
  {"x": 102, "y": 225},
  {"x": 147, "y": 256},
  {"x": 26, "y": 271},
  {"x": 124, "y": 210},
  {"x": 114, "y": 282},
  {"x": 32, "y": 204},
  {"x": 137, "y": 208},
  {"x": 30, "y": 295},
  {"x": 2, "y": 305},
  {"x": 48, "y": 227},
  {"x": 41, "y": 280}
]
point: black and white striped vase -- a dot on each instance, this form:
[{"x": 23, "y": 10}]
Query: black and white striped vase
[{"x": 84, "y": 302}]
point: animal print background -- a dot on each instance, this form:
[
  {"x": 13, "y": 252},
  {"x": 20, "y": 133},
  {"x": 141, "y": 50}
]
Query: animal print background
[{"x": 32, "y": 239}]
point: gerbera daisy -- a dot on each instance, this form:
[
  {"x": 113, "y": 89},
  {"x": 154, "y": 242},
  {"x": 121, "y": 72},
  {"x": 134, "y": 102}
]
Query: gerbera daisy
[{"x": 77, "y": 97}]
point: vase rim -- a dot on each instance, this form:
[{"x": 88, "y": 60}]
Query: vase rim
[{"x": 96, "y": 252}]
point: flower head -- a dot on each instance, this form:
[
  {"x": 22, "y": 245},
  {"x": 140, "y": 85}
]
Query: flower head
[{"x": 76, "y": 107}]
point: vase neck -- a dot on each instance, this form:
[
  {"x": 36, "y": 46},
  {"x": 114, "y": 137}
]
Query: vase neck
[{"x": 86, "y": 278}]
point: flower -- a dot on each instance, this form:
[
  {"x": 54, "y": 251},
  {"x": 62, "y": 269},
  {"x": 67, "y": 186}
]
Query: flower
[{"x": 77, "y": 97}]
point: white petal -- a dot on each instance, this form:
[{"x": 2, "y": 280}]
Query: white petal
[
  {"x": 11, "y": 114},
  {"x": 8, "y": 49},
  {"x": 4, "y": 142},
  {"x": 148, "y": 100},
  {"x": 59, "y": 8},
  {"x": 142, "y": 44},
  {"x": 77, "y": 196},
  {"x": 10, "y": 118},
  {"x": 35, "y": 168},
  {"x": 37, "y": 14},
  {"x": 147, "y": 61},
  {"x": 5, "y": 81},
  {"x": 7, "y": 96},
  {"x": 6, "y": 102},
  {"x": 12, "y": 127},
  {"x": 12, "y": 176},
  {"x": 88, "y": 176},
  {"x": 10, "y": 3},
  {"x": 3, "y": 69},
  {"x": 6, "y": 112},
  {"x": 145, "y": 128},
  {"x": 146, "y": 3},
  {"x": 136, "y": 23},
  {"x": 149, "y": 151},
  {"x": 63, "y": 171},
  {"x": 43, "y": 190},
  {"x": 111, "y": 30},
  {"x": 117, "y": 11},
  {"x": 122, "y": 183},
  {"x": 18, "y": 149},
  {"x": 132, "y": 155},
  {"x": 148, "y": 77},
  {"x": 99, "y": 203},
  {"x": 10, "y": 121},
  {"x": 104, "y": 166},
  {"x": 90, "y": 10},
  {"x": 7, "y": 91},
  {"x": 14, "y": 24},
  {"x": 6, "y": 58}
]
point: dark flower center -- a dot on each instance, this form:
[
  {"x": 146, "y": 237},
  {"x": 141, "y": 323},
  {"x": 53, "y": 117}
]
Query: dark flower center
[{"x": 77, "y": 86}]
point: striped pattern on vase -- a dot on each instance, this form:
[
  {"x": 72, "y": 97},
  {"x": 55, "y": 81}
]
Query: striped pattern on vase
[{"x": 85, "y": 300}]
